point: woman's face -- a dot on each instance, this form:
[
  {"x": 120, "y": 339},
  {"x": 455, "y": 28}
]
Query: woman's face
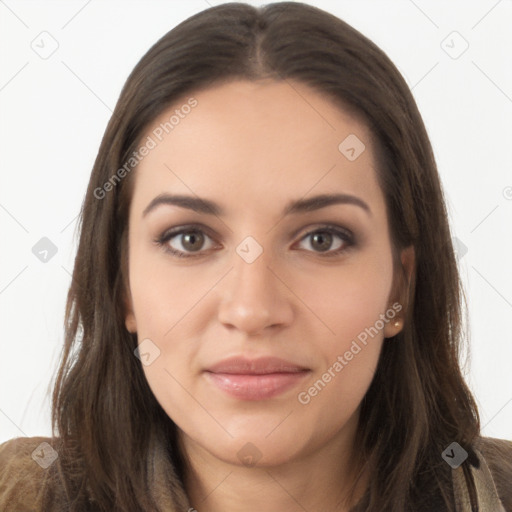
[{"x": 260, "y": 278}]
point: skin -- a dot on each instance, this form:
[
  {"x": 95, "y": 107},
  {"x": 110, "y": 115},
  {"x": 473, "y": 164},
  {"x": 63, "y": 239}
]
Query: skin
[{"x": 252, "y": 147}]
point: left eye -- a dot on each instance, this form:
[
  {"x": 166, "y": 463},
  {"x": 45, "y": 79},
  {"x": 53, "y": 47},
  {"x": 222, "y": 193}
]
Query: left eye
[
  {"x": 193, "y": 240},
  {"x": 323, "y": 238}
]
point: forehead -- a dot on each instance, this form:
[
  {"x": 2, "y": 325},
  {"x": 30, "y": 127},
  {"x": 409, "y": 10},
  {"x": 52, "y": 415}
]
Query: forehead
[{"x": 257, "y": 141}]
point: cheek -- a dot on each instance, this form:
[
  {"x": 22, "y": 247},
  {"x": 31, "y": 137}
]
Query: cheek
[
  {"x": 349, "y": 360},
  {"x": 168, "y": 313},
  {"x": 349, "y": 299},
  {"x": 160, "y": 294},
  {"x": 333, "y": 396},
  {"x": 352, "y": 303}
]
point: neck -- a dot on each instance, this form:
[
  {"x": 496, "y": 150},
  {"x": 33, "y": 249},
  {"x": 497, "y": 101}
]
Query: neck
[{"x": 322, "y": 479}]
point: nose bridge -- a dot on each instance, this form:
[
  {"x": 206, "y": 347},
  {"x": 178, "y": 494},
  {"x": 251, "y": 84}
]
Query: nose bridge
[
  {"x": 252, "y": 284},
  {"x": 253, "y": 297}
]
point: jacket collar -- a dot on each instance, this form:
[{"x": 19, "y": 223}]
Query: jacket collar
[
  {"x": 169, "y": 494},
  {"x": 485, "y": 490},
  {"x": 166, "y": 487}
]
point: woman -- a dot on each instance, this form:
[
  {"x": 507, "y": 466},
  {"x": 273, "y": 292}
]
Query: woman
[{"x": 304, "y": 355}]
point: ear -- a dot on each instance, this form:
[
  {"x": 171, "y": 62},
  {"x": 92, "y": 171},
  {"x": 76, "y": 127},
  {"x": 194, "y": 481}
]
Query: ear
[
  {"x": 408, "y": 259},
  {"x": 401, "y": 292},
  {"x": 129, "y": 319}
]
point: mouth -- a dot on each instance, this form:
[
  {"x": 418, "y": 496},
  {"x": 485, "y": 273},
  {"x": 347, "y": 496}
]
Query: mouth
[
  {"x": 256, "y": 379},
  {"x": 256, "y": 387}
]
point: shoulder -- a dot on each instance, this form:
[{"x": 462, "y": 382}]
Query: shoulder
[
  {"x": 498, "y": 456},
  {"x": 24, "y": 464}
]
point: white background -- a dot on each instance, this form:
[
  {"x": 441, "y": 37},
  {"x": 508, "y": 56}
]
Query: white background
[{"x": 53, "y": 113}]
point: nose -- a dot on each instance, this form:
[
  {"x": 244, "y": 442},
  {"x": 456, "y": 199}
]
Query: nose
[{"x": 255, "y": 297}]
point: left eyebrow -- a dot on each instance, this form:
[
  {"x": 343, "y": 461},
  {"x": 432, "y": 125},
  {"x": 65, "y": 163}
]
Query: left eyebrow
[
  {"x": 209, "y": 207},
  {"x": 323, "y": 200}
]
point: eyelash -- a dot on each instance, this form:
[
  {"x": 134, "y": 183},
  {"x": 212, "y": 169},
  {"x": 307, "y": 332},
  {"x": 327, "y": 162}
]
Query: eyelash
[{"x": 345, "y": 235}]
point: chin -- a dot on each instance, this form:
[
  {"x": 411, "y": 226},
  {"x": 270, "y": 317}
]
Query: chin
[{"x": 256, "y": 451}]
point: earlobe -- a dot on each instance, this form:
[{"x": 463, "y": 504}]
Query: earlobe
[
  {"x": 393, "y": 327},
  {"x": 129, "y": 319},
  {"x": 407, "y": 258},
  {"x": 130, "y": 323}
]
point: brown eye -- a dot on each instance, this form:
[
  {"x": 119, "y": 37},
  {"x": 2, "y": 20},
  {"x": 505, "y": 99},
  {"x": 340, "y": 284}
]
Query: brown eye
[
  {"x": 192, "y": 240},
  {"x": 184, "y": 242},
  {"x": 187, "y": 242},
  {"x": 321, "y": 240}
]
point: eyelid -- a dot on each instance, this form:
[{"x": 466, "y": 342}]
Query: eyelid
[{"x": 319, "y": 226}]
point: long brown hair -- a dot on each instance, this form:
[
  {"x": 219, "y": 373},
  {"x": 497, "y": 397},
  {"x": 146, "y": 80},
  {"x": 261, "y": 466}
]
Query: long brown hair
[{"x": 418, "y": 403}]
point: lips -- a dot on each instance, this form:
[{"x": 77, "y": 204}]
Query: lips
[
  {"x": 255, "y": 379},
  {"x": 260, "y": 366}
]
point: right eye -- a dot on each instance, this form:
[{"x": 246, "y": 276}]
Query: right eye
[{"x": 191, "y": 240}]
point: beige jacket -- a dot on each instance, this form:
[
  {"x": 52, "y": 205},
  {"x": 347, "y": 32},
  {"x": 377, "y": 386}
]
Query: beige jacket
[{"x": 23, "y": 461}]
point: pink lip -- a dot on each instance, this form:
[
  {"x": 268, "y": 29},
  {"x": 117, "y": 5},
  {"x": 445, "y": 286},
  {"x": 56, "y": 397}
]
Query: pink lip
[
  {"x": 255, "y": 387},
  {"x": 259, "y": 366},
  {"x": 255, "y": 379}
]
